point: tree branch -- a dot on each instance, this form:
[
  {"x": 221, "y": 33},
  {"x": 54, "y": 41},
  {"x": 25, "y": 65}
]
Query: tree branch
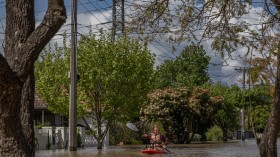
[
  {"x": 29, "y": 53},
  {"x": 86, "y": 122},
  {"x": 276, "y": 4}
]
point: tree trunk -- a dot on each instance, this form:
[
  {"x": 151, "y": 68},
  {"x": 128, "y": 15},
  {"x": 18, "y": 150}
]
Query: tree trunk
[
  {"x": 203, "y": 137},
  {"x": 99, "y": 132},
  {"x": 11, "y": 139},
  {"x": 268, "y": 142},
  {"x": 23, "y": 44},
  {"x": 178, "y": 138},
  {"x": 21, "y": 143},
  {"x": 99, "y": 144},
  {"x": 225, "y": 132},
  {"x": 26, "y": 111}
]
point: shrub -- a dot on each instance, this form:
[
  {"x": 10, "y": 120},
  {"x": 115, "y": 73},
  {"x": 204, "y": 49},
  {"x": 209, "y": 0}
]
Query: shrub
[
  {"x": 196, "y": 137},
  {"x": 214, "y": 134}
]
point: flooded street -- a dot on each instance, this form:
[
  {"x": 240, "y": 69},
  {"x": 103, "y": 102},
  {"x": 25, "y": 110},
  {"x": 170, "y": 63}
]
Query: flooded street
[{"x": 246, "y": 148}]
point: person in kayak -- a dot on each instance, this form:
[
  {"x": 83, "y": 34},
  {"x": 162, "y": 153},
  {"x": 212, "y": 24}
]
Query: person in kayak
[{"x": 157, "y": 140}]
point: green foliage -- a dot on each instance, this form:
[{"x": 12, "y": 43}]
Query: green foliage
[
  {"x": 188, "y": 69},
  {"x": 51, "y": 73},
  {"x": 116, "y": 75},
  {"x": 79, "y": 140},
  {"x": 227, "y": 116},
  {"x": 182, "y": 111},
  {"x": 196, "y": 137},
  {"x": 257, "y": 102},
  {"x": 114, "y": 79},
  {"x": 261, "y": 99},
  {"x": 91, "y": 132},
  {"x": 214, "y": 134},
  {"x": 133, "y": 142},
  {"x": 260, "y": 116},
  {"x": 259, "y": 95},
  {"x": 120, "y": 133},
  {"x": 39, "y": 125}
]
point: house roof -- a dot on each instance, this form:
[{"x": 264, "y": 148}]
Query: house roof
[{"x": 39, "y": 104}]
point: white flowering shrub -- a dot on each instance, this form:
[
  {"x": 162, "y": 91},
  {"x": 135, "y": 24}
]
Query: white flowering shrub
[{"x": 182, "y": 111}]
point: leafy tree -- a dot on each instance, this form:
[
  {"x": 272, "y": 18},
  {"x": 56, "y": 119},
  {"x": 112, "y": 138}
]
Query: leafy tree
[
  {"x": 22, "y": 46},
  {"x": 182, "y": 111},
  {"x": 182, "y": 19},
  {"x": 114, "y": 80},
  {"x": 262, "y": 70},
  {"x": 229, "y": 110},
  {"x": 166, "y": 74},
  {"x": 188, "y": 69},
  {"x": 52, "y": 83},
  {"x": 258, "y": 102},
  {"x": 260, "y": 115}
]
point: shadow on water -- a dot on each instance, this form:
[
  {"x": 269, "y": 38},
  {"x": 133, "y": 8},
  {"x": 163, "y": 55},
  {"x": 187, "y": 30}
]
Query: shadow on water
[{"x": 246, "y": 148}]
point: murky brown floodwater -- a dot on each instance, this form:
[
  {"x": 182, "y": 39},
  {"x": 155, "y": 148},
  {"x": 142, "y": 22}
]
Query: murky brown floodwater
[{"x": 246, "y": 148}]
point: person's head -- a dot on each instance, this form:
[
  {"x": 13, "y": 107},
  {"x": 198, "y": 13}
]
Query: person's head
[{"x": 155, "y": 128}]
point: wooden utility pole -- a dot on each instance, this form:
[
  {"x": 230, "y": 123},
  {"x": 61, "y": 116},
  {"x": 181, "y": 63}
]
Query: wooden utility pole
[{"x": 73, "y": 81}]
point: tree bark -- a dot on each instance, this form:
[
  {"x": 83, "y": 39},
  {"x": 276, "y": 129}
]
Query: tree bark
[
  {"x": 99, "y": 132},
  {"x": 11, "y": 141},
  {"x": 23, "y": 44},
  {"x": 268, "y": 142},
  {"x": 225, "y": 132},
  {"x": 26, "y": 113},
  {"x": 99, "y": 144}
]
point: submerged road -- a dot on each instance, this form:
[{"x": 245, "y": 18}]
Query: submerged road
[{"x": 247, "y": 148}]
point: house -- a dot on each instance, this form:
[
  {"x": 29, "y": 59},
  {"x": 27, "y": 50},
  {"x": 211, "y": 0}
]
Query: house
[
  {"x": 42, "y": 116},
  {"x": 51, "y": 130}
]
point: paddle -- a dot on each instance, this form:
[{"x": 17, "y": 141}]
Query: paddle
[{"x": 134, "y": 128}]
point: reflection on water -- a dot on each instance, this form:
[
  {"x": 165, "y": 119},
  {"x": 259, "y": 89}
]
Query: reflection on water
[{"x": 246, "y": 148}]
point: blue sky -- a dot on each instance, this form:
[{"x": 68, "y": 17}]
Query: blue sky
[{"x": 95, "y": 12}]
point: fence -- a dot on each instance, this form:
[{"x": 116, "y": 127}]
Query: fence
[{"x": 57, "y": 138}]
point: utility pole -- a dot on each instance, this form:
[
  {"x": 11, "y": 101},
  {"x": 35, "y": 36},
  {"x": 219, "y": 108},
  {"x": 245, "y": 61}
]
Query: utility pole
[
  {"x": 243, "y": 70},
  {"x": 73, "y": 81},
  {"x": 118, "y": 21}
]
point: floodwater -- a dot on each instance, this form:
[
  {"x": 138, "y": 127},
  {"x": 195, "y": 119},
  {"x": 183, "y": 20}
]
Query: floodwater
[{"x": 247, "y": 148}]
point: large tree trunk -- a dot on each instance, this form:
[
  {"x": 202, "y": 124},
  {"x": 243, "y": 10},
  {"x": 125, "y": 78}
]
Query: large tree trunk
[
  {"x": 11, "y": 141},
  {"x": 23, "y": 44},
  {"x": 19, "y": 137},
  {"x": 268, "y": 142},
  {"x": 26, "y": 111}
]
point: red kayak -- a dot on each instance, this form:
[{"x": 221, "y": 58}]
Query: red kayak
[{"x": 152, "y": 151}]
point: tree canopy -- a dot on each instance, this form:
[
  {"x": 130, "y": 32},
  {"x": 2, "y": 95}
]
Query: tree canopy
[
  {"x": 114, "y": 79},
  {"x": 190, "y": 68},
  {"x": 227, "y": 117},
  {"x": 182, "y": 111}
]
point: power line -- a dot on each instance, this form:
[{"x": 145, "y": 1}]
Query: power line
[{"x": 91, "y": 13}]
